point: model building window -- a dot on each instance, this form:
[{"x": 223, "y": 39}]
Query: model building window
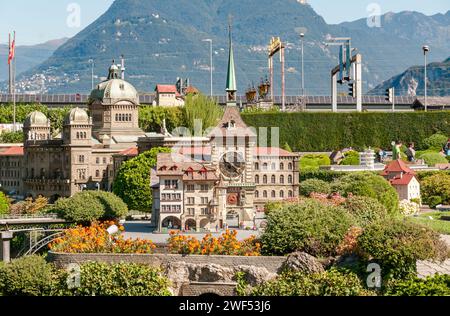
[
  {"x": 264, "y": 179},
  {"x": 256, "y": 194},
  {"x": 204, "y": 187},
  {"x": 190, "y": 188},
  {"x": 274, "y": 180},
  {"x": 256, "y": 166},
  {"x": 281, "y": 179},
  {"x": 257, "y": 179},
  {"x": 290, "y": 194},
  {"x": 282, "y": 194},
  {"x": 281, "y": 166},
  {"x": 264, "y": 194},
  {"x": 274, "y": 194},
  {"x": 290, "y": 166},
  {"x": 290, "y": 179}
]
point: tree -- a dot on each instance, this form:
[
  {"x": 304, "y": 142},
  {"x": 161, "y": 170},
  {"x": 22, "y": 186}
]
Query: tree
[
  {"x": 11, "y": 137},
  {"x": 201, "y": 107},
  {"x": 88, "y": 206},
  {"x": 4, "y": 204},
  {"x": 287, "y": 147},
  {"x": 370, "y": 185},
  {"x": 436, "y": 187},
  {"x": 132, "y": 183}
]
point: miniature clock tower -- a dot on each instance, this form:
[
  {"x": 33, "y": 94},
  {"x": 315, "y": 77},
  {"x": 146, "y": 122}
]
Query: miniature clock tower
[{"x": 232, "y": 148}]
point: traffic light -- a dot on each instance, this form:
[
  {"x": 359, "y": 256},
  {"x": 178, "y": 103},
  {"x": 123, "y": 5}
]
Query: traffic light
[
  {"x": 352, "y": 89},
  {"x": 389, "y": 95}
]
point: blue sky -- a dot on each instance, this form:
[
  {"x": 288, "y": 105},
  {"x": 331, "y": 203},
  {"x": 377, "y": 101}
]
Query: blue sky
[{"x": 41, "y": 20}]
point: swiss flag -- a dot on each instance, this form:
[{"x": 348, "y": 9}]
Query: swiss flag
[{"x": 12, "y": 51}]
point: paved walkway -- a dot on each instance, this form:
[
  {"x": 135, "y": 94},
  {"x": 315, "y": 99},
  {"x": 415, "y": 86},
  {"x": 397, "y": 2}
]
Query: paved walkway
[{"x": 428, "y": 268}]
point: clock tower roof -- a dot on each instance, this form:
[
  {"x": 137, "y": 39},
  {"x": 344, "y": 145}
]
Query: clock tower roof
[{"x": 232, "y": 125}]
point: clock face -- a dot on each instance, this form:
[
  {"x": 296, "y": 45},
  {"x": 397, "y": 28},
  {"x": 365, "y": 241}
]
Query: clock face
[{"x": 232, "y": 164}]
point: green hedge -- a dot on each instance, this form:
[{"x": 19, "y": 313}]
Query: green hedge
[{"x": 305, "y": 131}]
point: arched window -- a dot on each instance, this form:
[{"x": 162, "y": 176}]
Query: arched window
[
  {"x": 281, "y": 166},
  {"x": 290, "y": 194},
  {"x": 85, "y": 135},
  {"x": 274, "y": 194},
  {"x": 290, "y": 179},
  {"x": 265, "y": 166},
  {"x": 274, "y": 179},
  {"x": 257, "y": 179},
  {"x": 117, "y": 117},
  {"x": 281, "y": 179},
  {"x": 256, "y": 166},
  {"x": 78, "y": 135},
  {"x": 290, "y": 166},
  {"x": 257, "y": 194},
  {"x": 282, "y": 194},
  {"x": 264, "y": 179},
  {"x": 130, "y": 116},
  {"x": 264, "y": 194},
  {"x": 97, "y": 173},
  {"x": 274, "y": 166}
]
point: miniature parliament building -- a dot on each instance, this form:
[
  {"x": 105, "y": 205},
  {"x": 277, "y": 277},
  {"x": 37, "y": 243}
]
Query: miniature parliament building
[{"x": 218, "y": 180}]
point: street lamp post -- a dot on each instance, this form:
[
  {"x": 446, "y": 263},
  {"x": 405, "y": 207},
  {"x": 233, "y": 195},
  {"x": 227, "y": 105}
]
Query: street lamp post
[
  {"x": 91, "y": 61},
  {"x": 210, "y": 64},
  {"x": 302, "y": 36},
  {"x": 425, "y": 49}
]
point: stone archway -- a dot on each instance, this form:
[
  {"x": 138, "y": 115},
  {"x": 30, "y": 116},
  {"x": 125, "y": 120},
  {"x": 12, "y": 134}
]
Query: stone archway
[
  {"x": 205, "y": 224},
  {"x": 171, "y": 222},
  {"x": 190, "y": 225}
]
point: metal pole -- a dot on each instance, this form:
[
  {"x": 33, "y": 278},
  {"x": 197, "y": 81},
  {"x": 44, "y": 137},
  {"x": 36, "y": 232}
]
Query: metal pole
[
  {"x": 303, "y": 68},
  {"x": 283, "y": 82},
  {"x": 14, "y": 85},
  {"x": 211, "y": 66},
  {"x": 9, "y": 66},
  {"x": 426, "y": 80}
]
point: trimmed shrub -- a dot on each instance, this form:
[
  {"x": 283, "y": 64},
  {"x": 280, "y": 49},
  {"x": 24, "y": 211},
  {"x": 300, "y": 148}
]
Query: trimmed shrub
[
  {"x": 397, "y": 245},
  {"x": 437, "y": 285},
  {"x": 88, "y": 206},
  {"x": 309, "y": 226},
  {"x": 27, "y": 276},
  {"x": 351, "y": 158},
  {"x": 317, "y": 132},
  {"x": 435, "y": 141},
  {"x": 122, "y": 279},
  {"x": 432, "y": 158},
  {"x": 366, "y": 210},
  {"x": 328, "y": 283},
  {"x": 313, "y": 161},
  {"x": 4, "y": 204},
  {"x": 325, "y": 175},
  {"x": 314, "y": 185},
  {"x": 436, "y": 189},
  {"x": 370, "y": 185}
]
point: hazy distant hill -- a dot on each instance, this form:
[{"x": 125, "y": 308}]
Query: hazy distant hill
[
  {"x": 162, "y": 40},
  {"x": 28, "y": 57},
  {"x": 411, "y": 82}
]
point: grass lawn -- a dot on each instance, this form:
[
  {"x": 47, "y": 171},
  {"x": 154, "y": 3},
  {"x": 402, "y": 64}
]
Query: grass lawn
[{"x": 436, "y": 223}]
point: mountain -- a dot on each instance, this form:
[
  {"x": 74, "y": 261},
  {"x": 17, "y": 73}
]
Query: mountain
[
  {"x": 28, "y": 57},
  {"x": 411, "y": 82},
  {"x": 162, "y": 40}
]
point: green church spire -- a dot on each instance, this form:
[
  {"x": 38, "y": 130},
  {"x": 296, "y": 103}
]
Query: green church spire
[{"x": 231, "y": 74}]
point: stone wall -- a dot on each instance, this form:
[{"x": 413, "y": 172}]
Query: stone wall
[{"x": 272, "y": 264}]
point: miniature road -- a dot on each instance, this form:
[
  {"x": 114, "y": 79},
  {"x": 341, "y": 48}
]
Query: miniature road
[
  {"x": 143, "y": 230},
  {"x": 428, "y": 268}
]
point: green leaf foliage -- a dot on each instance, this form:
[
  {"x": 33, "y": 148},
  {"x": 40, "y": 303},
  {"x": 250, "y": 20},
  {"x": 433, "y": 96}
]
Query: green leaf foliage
[
  {"x": 435, "y": 141},
  {"x": 88, "y": 206},
  {"x": 435, "y": 189},
  {"x": 397, "y": 245},
  {"x": 151, "y": 118},
  {"x": 370, "y": 185},
  {"x": 351, "y": 158},
  {"x": 314, "y": 185},
  {"x": 309, "y": 226},
  {"x": 314, "y": 161},
  {"x": 365, "y": 209},
  {"x": 305, "y": 131},
  {"x": 132, "y": 183},
  {"x": 11, "y": 137},
  {"x": 4, "y": 204},
  {"x": 329, "y": 283},
  {"x": 27, "y": 276},
  {"x": 437, "y": 285},
  {"x": 203, "y": 108},
  {"x": 122, "y": 279},
  {"x": 432, "y": 159}
]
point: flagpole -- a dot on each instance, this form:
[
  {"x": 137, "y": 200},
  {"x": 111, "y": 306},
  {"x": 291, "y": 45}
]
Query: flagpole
[
  {"x": 9, "y": 66},
  {"x": 14, "y": 84}
]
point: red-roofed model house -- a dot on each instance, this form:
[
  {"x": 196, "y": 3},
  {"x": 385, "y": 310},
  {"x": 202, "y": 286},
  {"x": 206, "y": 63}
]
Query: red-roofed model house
[
  {"x": 403, "y": 179},
  {"x": 168, "y": 96}
]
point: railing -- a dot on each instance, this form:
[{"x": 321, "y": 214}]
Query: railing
[
  {"x": 42, "y": 243},
  {"x": 29, "y": 216}
]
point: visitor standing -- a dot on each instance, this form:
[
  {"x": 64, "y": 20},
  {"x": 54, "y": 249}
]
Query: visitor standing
[
  {"x": 411, "y": 153},
  {"x": 447, "y": 148},
  {"x": 396, "y": 150}
]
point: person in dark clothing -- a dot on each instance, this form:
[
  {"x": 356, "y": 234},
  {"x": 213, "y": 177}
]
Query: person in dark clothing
[
  {"x": 447, "y": 148},
  {"x": 411, "y": 153}
]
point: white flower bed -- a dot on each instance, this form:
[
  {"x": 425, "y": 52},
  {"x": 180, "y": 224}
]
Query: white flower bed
[{"x": 409, "y": 208}]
